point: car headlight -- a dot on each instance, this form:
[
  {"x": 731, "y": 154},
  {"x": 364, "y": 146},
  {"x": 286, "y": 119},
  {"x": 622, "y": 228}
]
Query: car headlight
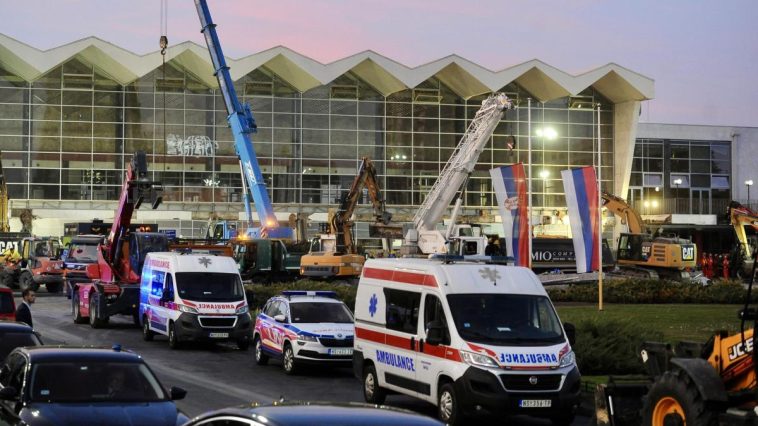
[
  {"x": 568, "y": 359},
  {"x": 307, "y": 338},
  {"x": 479, "y": 360},
  {"x": 187, "y": 309},
  {"x": 242, "y": 310}
]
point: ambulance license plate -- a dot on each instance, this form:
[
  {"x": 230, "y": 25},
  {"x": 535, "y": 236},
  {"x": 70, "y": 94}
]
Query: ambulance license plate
[
  {"x": 218, "y": 335},
  {"x": 534, "y": 403},
  {"x": 341, "y": 351}
]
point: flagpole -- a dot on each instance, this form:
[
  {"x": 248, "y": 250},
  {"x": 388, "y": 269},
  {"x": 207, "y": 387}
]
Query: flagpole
[
  {"x": 529, "y": 181},
  {"x": 599, "y": 212}
]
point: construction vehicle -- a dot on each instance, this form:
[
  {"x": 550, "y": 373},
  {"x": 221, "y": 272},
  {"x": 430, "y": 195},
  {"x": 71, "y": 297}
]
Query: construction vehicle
[
  {"x": 337, "y": 255},
  {"x": 80, "y": 253},
  {"x": 267, "y": 259},
  {"x": 39, "y": 265},
  {"x": 99, "y": 227},
  {"x": 739, "y": 217},
  {"x": 242, "y": 123},
  {"x": 114, "y": 286},
  {"x": 641, "y": 254},
  {"x": 424, "y": 237},
  {"x": 690, "y": 383}
]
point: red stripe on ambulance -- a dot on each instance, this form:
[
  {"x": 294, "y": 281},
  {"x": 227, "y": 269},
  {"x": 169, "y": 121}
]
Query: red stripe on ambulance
[{"x": 403, "y": 277}]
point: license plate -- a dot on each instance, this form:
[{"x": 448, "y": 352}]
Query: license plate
[
  {"x": 534, "y": 403},
  {"x": 219, "y": 335},
  {"x": 341, "y": 351}
]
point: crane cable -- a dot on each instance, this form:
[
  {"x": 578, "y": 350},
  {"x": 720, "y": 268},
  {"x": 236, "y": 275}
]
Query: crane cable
[{"x": 164, "y": 45}]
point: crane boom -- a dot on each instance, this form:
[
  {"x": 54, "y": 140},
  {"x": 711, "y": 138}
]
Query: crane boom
[
  {"x": 455, "y": 174},
  {"x": 242, "y": 123}
]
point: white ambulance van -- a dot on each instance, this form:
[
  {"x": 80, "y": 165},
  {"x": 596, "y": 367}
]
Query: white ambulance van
[
  {"x": 193, "y": 297},
  {"x": 465, "y": 336}
]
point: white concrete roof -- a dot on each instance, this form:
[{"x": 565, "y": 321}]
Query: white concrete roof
[{"x": 464, "y": 77}]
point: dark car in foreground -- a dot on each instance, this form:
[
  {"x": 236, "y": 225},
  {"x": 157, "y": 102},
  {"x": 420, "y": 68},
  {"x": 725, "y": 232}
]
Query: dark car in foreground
[
  {"x": 14, "y": 335},
  {"x": 7, "y": 305},
  {"x": 312, "y": 413},
  {"x": 58, "y": 385}
]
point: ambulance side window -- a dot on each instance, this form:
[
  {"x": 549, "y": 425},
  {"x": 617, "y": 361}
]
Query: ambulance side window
[
  {"x": 434, "y": 313},
  {"x": 168, "y": 287},
  {"x": 156, "y": 287},
  {"x": 402, "y": 310}
]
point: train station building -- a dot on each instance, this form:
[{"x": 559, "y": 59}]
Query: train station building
[{"x": 72, "y": 117}]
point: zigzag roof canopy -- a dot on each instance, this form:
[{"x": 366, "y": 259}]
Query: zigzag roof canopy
[{"x": 464, "y": 77}]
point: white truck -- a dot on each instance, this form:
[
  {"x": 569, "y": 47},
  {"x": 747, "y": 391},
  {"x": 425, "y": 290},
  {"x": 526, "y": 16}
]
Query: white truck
[
  {"x": 424, "y": 237},
  {"x": 193, "y": 297},
  {"x": 464, "y": 336}
]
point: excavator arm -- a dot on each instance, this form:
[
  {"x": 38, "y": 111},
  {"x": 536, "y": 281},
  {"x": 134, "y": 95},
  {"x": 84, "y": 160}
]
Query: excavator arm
[
  {"x": 741, "y": 216},
  {"x": 341, "y": 223},
  {"x": 623, "y": 210}
]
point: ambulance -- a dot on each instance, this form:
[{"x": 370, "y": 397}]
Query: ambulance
[
  {"x": 465, "y": 336},
  {"x": 193, "y": 297}
]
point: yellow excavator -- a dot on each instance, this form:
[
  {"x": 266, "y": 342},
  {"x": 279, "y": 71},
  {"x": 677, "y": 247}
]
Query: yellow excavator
[
  {"x": 740, "y": 260},
  {"x": 689, "y": 384},
  {"x": 334, "y": 254},
  {"x": 642, "y": 254}
]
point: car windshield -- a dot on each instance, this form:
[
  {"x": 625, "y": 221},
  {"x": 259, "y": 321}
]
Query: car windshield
[
  {"x": 12, "y": 340},
  {"x": 314, "y": 312},
  {"x": 84, "y": 253},
  {"x": 209, "y": 286},
  {"x": 92, "y": 381},
  {"x": 506, "y": 319}
]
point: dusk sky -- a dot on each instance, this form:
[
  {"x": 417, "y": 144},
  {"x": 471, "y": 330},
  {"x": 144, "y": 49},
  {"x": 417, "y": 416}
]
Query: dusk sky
[{"x": 703, "y": 55}]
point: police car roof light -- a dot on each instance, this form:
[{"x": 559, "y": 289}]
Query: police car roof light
[{"x": 320, "y": 293}]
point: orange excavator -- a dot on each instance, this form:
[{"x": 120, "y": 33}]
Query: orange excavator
[
  {"x": 641, "y": 254},
  {"x": 741, "y": 256},
  {"x": 334, "y": 254}
]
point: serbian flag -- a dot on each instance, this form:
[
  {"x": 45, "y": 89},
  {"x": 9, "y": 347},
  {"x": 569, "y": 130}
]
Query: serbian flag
[
  {"x": 509, "y": 183},
  {"x": 580, "y": 186}
]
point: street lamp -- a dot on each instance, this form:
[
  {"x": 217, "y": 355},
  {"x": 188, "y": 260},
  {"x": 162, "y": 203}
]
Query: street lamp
[
  {"x": 748, "y": 184},
  {"x": 677, "y": 182}
]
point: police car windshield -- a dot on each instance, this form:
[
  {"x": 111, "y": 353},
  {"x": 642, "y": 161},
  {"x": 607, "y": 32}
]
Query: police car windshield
[
  {"x": 314, "y": 312},
  {"x": 94, "y": 381},
  {"x": 209, "y": 286},
  {"x": 506, "y": 319}
]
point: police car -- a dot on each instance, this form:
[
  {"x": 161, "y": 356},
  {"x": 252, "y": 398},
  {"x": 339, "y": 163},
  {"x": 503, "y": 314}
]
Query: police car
[{"x": 302, "y": 327}]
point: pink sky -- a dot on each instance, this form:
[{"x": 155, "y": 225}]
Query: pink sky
[{"x": 702, "y": 55}]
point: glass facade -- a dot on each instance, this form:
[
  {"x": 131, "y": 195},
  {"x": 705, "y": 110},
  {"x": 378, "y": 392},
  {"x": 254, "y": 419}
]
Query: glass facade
[
  {"x": 69, "y": 134},
  {"x": 681, "y": 176}
]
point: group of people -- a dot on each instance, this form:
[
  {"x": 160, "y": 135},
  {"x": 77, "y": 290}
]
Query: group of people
[{"x": 715, "y": 265}]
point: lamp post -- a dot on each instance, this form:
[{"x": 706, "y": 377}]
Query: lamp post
[
  {"x": 677, "y": 182},
  {"x": 748, "y": 184},
  {"x": 544, "y": 175}
]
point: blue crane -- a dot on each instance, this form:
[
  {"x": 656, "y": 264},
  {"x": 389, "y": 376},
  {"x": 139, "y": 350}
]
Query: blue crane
[{"x": 242, "y": 124}]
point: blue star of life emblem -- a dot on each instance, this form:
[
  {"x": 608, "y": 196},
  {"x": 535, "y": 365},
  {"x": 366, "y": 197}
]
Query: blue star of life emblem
[
  {"x": 372, "y": 305},
  {"x": 205, "y": 261}
]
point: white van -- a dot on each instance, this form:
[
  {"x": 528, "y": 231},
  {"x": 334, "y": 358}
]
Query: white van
[
  {"x": 465, "y": 336},
  {"x": 193, "y": 297}
]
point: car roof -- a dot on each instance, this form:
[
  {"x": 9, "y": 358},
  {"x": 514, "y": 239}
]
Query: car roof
[
  {"x": 14, "y": 326},
  {"x": 78, "y": 353},
  {"x": 5, "y": 290},
  {"x": 334, "y": 414}
]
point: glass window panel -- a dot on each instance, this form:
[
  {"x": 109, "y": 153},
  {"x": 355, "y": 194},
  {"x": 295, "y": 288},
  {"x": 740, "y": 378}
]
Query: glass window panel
[
  {"x": 77, "y": 97},
  {"x": 396, "y": 124},
  {"x": 720, "y": 182},
  {"x": 701, "y": 181},
  {"x": 679, "y": 181},
  {"x": 46, "y": 128},
  {"x": 680, "y": 166},
  {"x": 41, "y": 143},
  {"x": 680, "y": 151},
  {"x": 700, "y": 151},
  {"x": 720, "y": 152},
  {"x": 720, "y": 167},
  {"x": 107, "y": 130},
  {"x": 344, "y": 122},
  {"x": 653, "y": 180},
  {"x": 700, "y": 166},
  {"x": 77, "y": 144}
]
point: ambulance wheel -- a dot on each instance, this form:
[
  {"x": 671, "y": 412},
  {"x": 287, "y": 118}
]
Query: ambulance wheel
[
  {"x": 372, "y": 393},
  {"x": 173, "y": 339},
  {"x": 260, "y": 357},
  {"x": 447, "y": 406},
  {"x": 53, "y": 287},
  {"x": 289, "y": 362},
  {"x": 26, "y": 281},
  {"x": 78, "y": 318},
  {"x": 94, "y": 320},
  {"x": 147, "y": 334}
]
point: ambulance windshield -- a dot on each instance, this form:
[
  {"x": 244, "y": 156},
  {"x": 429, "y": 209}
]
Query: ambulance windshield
[
  {"x": 506, "y": 319},
  {"x": 209, "y": 286}
]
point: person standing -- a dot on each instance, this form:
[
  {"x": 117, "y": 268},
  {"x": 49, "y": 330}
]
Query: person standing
[{"x": 24, "y": 310}]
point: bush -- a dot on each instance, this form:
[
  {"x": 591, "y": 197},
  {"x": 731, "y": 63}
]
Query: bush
[
  {"x": 258, "y": 294},
  {"x": 653, "y": 291},
  {"x": 611, "y": 346}
]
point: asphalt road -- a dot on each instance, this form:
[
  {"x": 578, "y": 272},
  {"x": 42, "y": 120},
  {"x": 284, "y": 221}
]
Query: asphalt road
[{"x": 219, "y": 375}]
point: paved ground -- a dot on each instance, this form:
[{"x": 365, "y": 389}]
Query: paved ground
[{"x": 219, "y": 375}]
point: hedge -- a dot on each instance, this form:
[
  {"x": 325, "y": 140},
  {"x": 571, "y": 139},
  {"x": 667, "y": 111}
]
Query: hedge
[{"x": 611, "y": 347}]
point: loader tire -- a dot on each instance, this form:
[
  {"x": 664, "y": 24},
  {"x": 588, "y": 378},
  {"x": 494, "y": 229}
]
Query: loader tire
[{"x": 674, "y": 400}]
